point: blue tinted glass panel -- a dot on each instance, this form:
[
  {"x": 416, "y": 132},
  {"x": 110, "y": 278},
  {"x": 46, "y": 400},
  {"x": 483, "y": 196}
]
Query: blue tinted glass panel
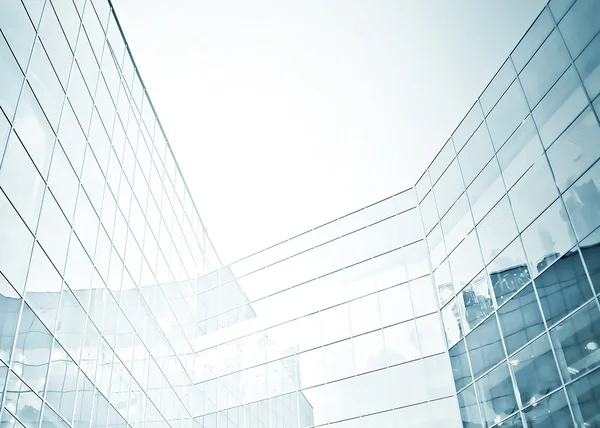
[
  {"x": 575, "y": 150},
  {"x": 544, "y": 69},
  {"x": 469, "y": 409},
  {"x": 583, "y": 202},
  {"x": 520, "y": 319},
  {"x": 496, "y": 230},
  {"x": 466, "y": 128},
  {"x": 10, "y": 305},
  {"x": 509, "y": 272},
  {"x": 535, "y": 370},
  {"x": 460, "y": 365},
  {"x": 580, "y": 25},
  {"x": 507, "y": 115},
  {"x": 560, "y": 7},
  {"x": 584, "y": 396},
  {"x": 588, "y": 65},
  {"x": 452, "y": 319},
  {"x": 477, "y": 300},
  {"x": 17, "y": 29},
  {"x": 590, "y": 249},
  {"x": 551, "y": 412},
  {"x": 476, "y": 154},
  {"x": 538, "y": 32},
  {"x": 496, "y": 395},
  {"x": 485, "y": 191},
  {"x": 576, "y": 342},
  {"x": 485, "y": 346},
  {"x": 563, "y": 287},
  {"x": 499, "y": 84}
]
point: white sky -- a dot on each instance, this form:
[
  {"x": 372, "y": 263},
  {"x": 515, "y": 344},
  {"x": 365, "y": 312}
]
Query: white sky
[{"x": 284, "y": 115}]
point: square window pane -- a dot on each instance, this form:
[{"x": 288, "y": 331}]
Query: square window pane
[
  {"x": 580, "y": 25},
  {"x": 496, "y": 230},
  {"x": 16, "y": 243},
  {"x": 401, "y": 343},
  {"x": 519, "y": 153},
  {"x": 508, "y": 271},
  {"x": 395, "y": 304},
  {"x": 588, "y": 65},
  {"x": 423, "y": 296},
  {"x": 499, "y": 84},
  {"x": 535, "y": 370},
  {"x": 507, "y": 115},
  {"x": 583, "y": 396},
  {"x": 476, "y": 154},
  {"x": 533, "y": 193},
  {"x": 563, "y": 287},
  {"x": 485, "y": 346},
  {"x": 538, "y": 32},
  {"x": 576, "y": 342},
  {"x": 364, "y": 314},
  {"x": 477, "y": 300},
  {"x": 544, "y": 69},
  {"x": 448, "y": 188},
  {"x": 547, "y": 238},
  {"x": 520, "y": 319},
  {"x": 583, "y": 202},
  {"x": 485, "y": 191},
  {"x": 431, "y": 336},
  {"x": 575, "y": 150},
  {"x": 551, "y": 412},
  {"x": 460, "y": 365},
  {"x": 560, "y": 106},
  {"x": 369, "y": 352},
  {"x": 496, "y": 395}
]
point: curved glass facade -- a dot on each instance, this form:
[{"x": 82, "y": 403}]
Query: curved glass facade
[{"x": 469, "y": 300}]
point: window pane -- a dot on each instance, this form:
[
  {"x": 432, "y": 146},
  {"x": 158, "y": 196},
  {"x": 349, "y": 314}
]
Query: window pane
[
  {"x": 590, "y": 249},
  {"x": 477, "y": 300},
  {"x": 395, "y": 304},
  {"x": 580, "y": 24},
  {"x": 457, "y": 223},
  {"x": 499, "y": 84},
  {"x": 423, "y": 186},
  {"x": 533, "y": 193},
  {"x": 575, "y": 150},
  {"x": 576, "y": 342},
  {"x": 63, "y": 183},
  {"x": 31, "y": 356},
  {"x": 444, "y": 284},
  {"x": 441, "y": 161},
  {"x": 17, "y": 29},
  {"x": 62, "y": 382},
  {"x": 465, "y": 261},
  {"x": 12, "y": 79},
  {"x": 545, "y": 68},
  {"x": 431, "y": 337},
  {"x": 429, "y": 212},
  {"x": 71, "y": 138},
  {"x": 476, "y": 154},
  {"x": 452, "y": 319},
  {"x": 460, "y": 365},
  {"x": 583, "y": 202},
  {"x": 469, "y": 409},
  {"x": 507, "y": 115},
  {"x": 563, "y": 287},
  {"x": 496, "y": 395},
  {"x": 437, "y": 248},
  {"x": 584, "y": 396},
  {"x": 423, "y": 296},
  {"x": 551, "y": 412},
  {"x": 448, "y": 188},
  {"x": 467, "y": 127},
  {"x": 485, "y": 346},
  {"x": 15, "y": 245},
  {"x": 538, "y": 32},
  {"x": 520, "y": 319},
  {"x": 588, "y": 65},
  {"x": 368, "y": 352},
  {"x": 559, "y": 107},
  {"x": 535, "y": 370},
  {"x": 485, "y": 191},
  {"x": 547, "y": 238},
  {"x": 509, "y": 271},
  {"x": 496, "y": 230},
  {"x": 560, "y": 7},
  {"x": 11, "y": 306},
  {"x": 42, "y": 291},
  {"x": 519, "y": 153},
  {"x": 26, "y": 405}
]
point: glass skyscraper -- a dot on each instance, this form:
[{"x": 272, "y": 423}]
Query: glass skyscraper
[{"x": 468, "y": 300}]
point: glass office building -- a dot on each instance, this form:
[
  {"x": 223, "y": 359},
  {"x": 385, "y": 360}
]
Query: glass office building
[{"x": 468, "y": 300}]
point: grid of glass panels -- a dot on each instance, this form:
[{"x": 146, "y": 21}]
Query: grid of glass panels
[
  {"x": 511, "y": 211},
  {"x": 99, "y": 233},
  {"x": 337, "y": 326}
]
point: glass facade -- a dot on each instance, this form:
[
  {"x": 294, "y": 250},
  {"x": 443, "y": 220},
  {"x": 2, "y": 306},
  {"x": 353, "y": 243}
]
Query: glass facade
[{"x": 468, "y": 300}]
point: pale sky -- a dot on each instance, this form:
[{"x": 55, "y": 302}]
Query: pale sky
[{"x": 285, "y": 115}]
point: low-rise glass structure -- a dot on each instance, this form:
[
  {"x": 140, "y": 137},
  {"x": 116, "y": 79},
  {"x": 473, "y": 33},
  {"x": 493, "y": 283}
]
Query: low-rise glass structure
[{"x": 468, "y": 300}]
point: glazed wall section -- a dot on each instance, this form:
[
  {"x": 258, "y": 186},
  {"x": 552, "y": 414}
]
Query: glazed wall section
[
  {"x": 340, "y": 326},
  {"x": 95, "y": 215},
  {"x": 511, "y": 210}
]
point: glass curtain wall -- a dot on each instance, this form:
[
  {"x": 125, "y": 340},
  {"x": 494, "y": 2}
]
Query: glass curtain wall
[
  {"x": 98, "y": 234},
  {"x": 336, "y": 326},
  {"x": 511, "y": 210}
]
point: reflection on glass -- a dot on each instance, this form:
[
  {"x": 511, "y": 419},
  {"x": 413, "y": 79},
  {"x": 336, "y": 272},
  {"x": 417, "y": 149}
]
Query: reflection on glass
[
  {"x": 507, "y": 115},
  {"x": 551, "y": 412},
  {"x": 590, "y": 249},
  {"x": 580, "y": 25},
  {"x": 508, "y": 271},
  {"x": 520, "y": 319},
  {"x": 499, "y": 84},
  {"x": 583, "y": 202},
  {"x": 496, "y": 395},
  {"x": 401, "y": 343},
  {"x": 453, "y": 326},
  {"x": 431, "y": 337},
  {"x": 22, "y": 402},
  {"x": 538, "y": 32},
  {"x": 460, "y": 365},
  {"x": 469, "y": 409},
  {"x": 448, "y": 188},
  {"x": 10, "y": 305},
  {"x": 477, "y": 300},
  {"x": 563, "y": 287},
  {"x": 535, "y": 371},
  {"x": 485, "y": 191},
  {"x": 583, "y": 396},
  {"x": 485, "y": 346},
  {"x": 588, "y": 65},
  {"x": 576, "y": 341},
  {"x": 444, "y": 284},
  {"x": 467, "y": 127},
  {"x": 496, "y": 230}
]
